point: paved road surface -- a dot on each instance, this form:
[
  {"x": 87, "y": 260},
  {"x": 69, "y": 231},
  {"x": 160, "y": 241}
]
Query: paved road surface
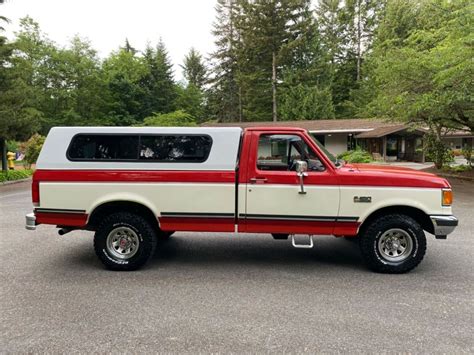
[{"x": 226, "y": 293}]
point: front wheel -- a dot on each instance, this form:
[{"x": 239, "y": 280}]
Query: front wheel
[
  {"x": 393, "y": 244},
  {"x": 125, "y": 241}
]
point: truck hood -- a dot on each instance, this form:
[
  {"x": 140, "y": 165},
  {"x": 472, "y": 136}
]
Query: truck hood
[{"x": 384, "y": 175}]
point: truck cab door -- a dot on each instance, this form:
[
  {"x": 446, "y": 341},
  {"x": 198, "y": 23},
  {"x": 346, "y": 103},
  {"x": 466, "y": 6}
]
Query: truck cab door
[{"x": 274, "y": 200}]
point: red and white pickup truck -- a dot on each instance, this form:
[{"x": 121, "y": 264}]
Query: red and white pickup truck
[{"x": 135, "y": 186}]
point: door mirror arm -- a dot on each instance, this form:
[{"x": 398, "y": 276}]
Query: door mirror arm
[{"x": 301, "y": 172}]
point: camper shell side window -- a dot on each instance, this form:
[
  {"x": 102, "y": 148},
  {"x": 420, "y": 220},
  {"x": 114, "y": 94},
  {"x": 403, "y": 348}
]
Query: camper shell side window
[{"x": 169, "y": 148}]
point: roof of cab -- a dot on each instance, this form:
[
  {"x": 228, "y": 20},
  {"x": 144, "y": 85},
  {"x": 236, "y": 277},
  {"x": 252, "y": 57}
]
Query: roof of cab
[{"x": 275, "y": 128}]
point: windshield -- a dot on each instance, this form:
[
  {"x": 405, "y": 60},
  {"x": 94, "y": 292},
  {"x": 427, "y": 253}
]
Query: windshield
[{"x": 331, "y": 157}]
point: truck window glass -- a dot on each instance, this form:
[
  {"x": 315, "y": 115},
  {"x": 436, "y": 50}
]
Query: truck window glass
[
  {"x": 279, "y": 152},
  {"x": 103, "y": 147},
  {"x": 175, "y": 148}
]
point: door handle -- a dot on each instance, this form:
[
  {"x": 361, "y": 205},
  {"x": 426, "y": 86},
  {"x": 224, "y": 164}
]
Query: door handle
[{"x": 256, "y": 180}]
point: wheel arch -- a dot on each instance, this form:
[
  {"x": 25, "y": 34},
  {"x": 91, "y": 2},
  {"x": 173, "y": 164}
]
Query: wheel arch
[
  {"x": 417, "y": 214},
  {"x": 109, "y": 207}
]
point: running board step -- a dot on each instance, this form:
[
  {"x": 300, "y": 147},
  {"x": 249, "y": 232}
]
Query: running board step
[{"x": 303, "y": 246}]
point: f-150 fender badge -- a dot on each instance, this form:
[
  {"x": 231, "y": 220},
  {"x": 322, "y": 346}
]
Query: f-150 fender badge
[{"x": 364, "y": 199}]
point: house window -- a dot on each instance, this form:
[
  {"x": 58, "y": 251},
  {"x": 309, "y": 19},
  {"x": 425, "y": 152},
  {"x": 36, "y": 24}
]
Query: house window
[{"x": 351, "y": 142}]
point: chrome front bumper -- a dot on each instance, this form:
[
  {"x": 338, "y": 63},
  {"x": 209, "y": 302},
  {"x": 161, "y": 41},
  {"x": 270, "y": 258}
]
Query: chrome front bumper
[
  {"x": 443, "y": 225},
  {"x": 30, "y": 221}
]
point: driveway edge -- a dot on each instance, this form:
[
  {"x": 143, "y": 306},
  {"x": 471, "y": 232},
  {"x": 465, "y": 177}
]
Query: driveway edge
[{"x": 14, "y": 181}]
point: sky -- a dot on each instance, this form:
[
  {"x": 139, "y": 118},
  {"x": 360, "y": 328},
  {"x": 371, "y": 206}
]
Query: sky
[{"x": 181, "y": 24}]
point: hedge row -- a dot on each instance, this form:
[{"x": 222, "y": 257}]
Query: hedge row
[{"x": 12, "y": 175}]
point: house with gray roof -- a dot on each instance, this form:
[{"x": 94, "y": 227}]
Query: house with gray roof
[{"x": 388, "y": 141}]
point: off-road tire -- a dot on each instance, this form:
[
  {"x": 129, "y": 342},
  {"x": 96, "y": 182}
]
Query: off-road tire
[
  {"x": 369, "y": 239},
  {"x": 143, "y": 229}
]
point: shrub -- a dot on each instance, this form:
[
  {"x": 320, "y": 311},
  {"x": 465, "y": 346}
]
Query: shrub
[
  {"x": 356, "y": 156},
  {"x": 11, "y": 175},
  {"x": 467, "y": 152},
  {"x": 12, "y": 146},
  {"x": 456, "y": 169},
  {"x": 436, "y": 151},
  {"x": 33, "y": 148}
]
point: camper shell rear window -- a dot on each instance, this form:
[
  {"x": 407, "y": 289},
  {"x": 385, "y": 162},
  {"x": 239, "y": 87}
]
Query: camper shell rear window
[{"x": 166, "y": 148}]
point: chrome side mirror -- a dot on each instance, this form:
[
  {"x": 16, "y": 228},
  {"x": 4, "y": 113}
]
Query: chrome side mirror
[
  {"x": 301, "y": 172},
  {"x": 301, "y": 166}
]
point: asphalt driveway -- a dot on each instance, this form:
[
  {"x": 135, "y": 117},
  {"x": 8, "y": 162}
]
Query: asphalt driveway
[{"x": 226, "y": 293}]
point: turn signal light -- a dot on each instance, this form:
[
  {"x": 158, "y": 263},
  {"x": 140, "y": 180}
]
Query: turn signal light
[{"x": 447, "y": 199}]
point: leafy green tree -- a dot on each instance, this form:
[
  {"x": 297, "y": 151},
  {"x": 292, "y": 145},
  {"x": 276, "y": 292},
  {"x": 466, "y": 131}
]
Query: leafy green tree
[
  {"x": 124, "y": 73},
  {"x": 170, "y": 119},
  {"x": 18, "y": 116},
  {"x": 194, "y": 69},
  {"x": 400, "y": 18},
  {"x": 191, "y": 100},
  {"x": 427, "y": 78}
]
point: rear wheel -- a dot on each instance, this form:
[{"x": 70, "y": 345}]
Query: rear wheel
[
  {"x": 393, "y": 244},
  {"x": 124, "y": 241}
]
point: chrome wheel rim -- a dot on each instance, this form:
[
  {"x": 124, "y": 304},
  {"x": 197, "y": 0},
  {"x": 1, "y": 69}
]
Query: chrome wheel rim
[
  {"x": 123, "y": 243},
  {"x": 395, "y": 245}
]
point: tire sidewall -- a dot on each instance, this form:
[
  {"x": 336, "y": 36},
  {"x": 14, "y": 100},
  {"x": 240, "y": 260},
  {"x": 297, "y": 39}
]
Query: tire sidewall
[
  {"x": 411, "y": 233},
  {"x": 370, "y": 238},
  {"x": 143, "y": 232}
]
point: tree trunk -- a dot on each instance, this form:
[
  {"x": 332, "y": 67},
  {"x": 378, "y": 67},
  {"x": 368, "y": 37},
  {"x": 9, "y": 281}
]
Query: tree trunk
[
  {"x": 274, "y": 89},
  {"x": 440, "y": 151},
  {"x": 359, "y": 40},
  {"x": 240, "y": 103},
  {"x": 3, "y": 150}
]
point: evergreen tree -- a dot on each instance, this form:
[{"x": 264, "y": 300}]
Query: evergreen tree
[
  {"x": 347, "y": 28},
  {"x": 194, "y": 70},
  {"x": 274, "y": 36},
  {"x": 158, "y": 83},
  {"x": 305, "y": 81},
  {"x": 362, "y": 18},
  {"x": 128, "y": 47},
  {"x": 225, "y": 92}
]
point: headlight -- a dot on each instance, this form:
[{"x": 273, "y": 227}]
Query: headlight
[{"x": 447, "y": 197}]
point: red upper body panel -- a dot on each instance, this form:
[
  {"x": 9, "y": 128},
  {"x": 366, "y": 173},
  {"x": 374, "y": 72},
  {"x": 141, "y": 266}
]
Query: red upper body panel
[{"x": 381, "y": 175}]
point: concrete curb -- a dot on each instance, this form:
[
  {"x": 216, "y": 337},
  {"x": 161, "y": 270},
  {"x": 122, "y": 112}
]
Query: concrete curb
[{"x": 14, "y": 181}]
